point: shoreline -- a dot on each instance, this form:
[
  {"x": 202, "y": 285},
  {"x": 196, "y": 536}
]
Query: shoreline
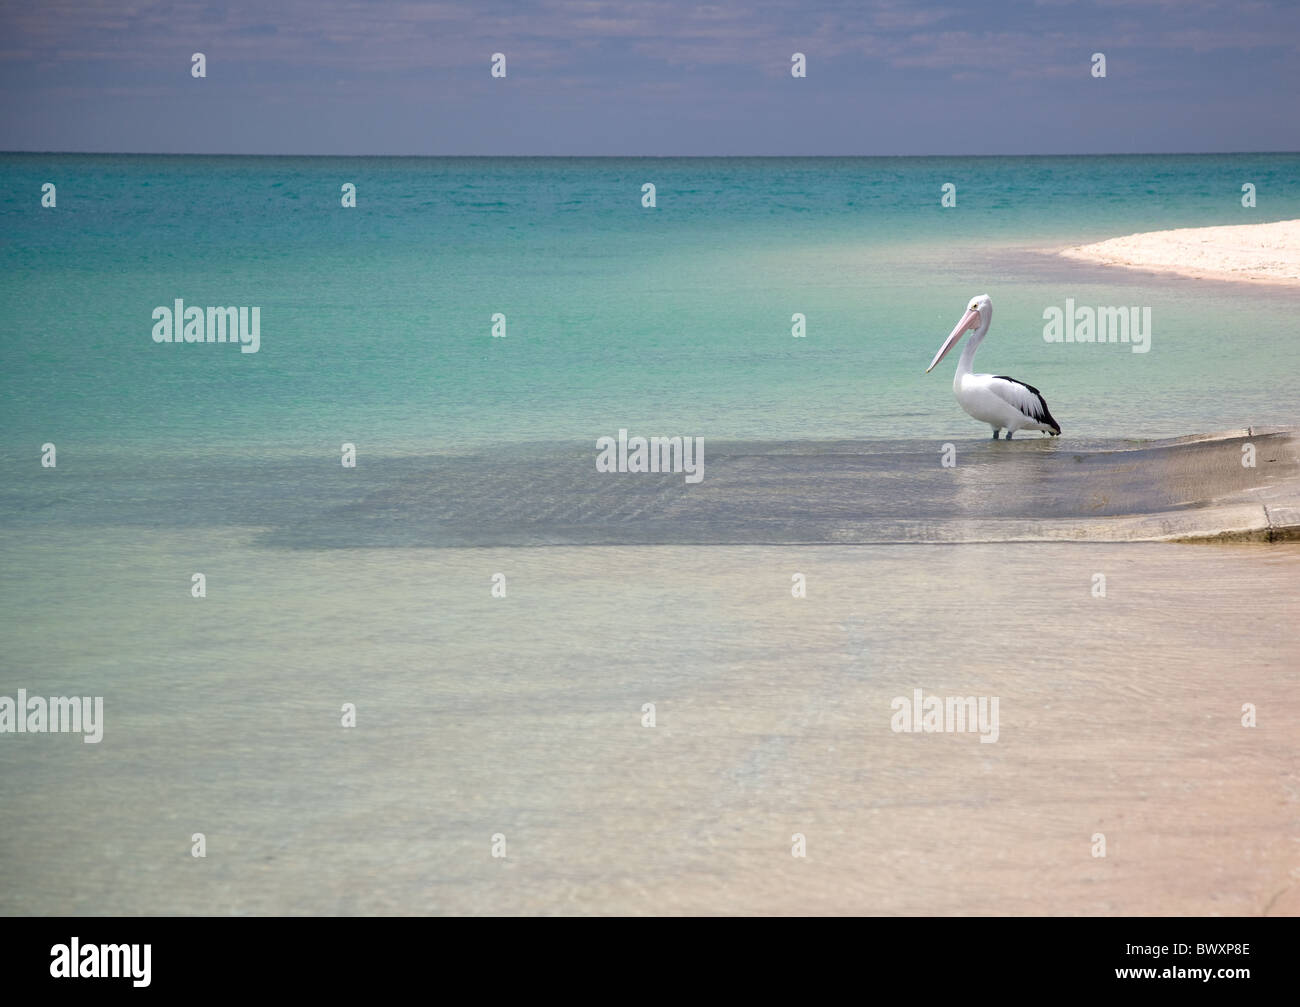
[{"x": 1240, "y": 253}]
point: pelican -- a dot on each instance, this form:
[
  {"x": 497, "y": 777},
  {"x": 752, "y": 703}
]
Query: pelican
[{"x": 999, "y": 401}]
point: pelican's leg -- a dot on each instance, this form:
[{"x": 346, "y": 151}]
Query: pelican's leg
[
  {"x": 1009, "y": 433},
  {"x": 995, "y": 433}
]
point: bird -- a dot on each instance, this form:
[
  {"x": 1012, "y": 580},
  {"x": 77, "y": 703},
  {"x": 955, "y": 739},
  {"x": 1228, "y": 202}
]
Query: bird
[{"x": 1002, "y": 402}]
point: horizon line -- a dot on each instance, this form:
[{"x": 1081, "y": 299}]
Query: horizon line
[{"x": 786, "y": 157}]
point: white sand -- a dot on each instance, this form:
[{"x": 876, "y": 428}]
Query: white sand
[{"x": 1263, "y": 253}]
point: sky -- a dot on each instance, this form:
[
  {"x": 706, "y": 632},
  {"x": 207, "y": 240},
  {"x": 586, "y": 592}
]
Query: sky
[{"x": 656, "y": 77}]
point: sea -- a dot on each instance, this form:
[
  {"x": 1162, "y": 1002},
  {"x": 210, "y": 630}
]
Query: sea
[{"x": 563, "y": 699}]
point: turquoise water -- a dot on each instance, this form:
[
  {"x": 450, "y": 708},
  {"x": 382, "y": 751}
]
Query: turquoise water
[
  {"x": 522, "y": 715},
  {"x": 375, "y": 321}
]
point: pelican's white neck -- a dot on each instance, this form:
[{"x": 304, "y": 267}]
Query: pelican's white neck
[{"x": 968, "y": 351}]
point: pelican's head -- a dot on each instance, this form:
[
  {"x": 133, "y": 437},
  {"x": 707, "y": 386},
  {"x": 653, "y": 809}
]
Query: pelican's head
[{"x": 979, "y": 312}]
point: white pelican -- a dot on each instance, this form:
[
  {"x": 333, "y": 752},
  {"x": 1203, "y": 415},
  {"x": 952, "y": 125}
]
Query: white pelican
[{"x": 995, "y": 399}]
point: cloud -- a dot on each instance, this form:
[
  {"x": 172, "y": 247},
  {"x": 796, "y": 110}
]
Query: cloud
[{"x": 417, "y": 61}]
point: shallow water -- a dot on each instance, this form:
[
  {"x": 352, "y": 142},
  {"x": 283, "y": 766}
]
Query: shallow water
[
  {"x": 522, "y": 716},
  {"x": 376, "y": 320},
  {"x": 749, "y": 492}
]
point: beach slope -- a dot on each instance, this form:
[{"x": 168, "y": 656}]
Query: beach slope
[{"x": 1254, "y": 253}]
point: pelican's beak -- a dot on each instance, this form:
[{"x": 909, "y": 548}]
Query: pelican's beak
[{"x": 968, "y": 321}]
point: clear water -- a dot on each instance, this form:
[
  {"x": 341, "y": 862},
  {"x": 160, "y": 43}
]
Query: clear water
[
  {"x": 522, "y": 715},
  {"x": 376, "y": 320}
]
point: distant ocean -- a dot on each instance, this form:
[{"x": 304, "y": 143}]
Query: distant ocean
[
  {"x": 376, "y": 321},
  {"x": 521, "y": 715}
]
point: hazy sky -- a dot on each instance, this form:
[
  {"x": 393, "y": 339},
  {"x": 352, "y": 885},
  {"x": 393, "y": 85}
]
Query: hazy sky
[{"x": 670, "y": 77}]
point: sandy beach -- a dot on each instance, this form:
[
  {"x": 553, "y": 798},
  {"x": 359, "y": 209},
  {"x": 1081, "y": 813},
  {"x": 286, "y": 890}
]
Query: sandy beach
[{"x": 1255, "y": 253}]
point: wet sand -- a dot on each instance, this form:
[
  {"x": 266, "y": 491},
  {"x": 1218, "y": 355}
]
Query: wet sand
[{"x": 1251, "y": 253}]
